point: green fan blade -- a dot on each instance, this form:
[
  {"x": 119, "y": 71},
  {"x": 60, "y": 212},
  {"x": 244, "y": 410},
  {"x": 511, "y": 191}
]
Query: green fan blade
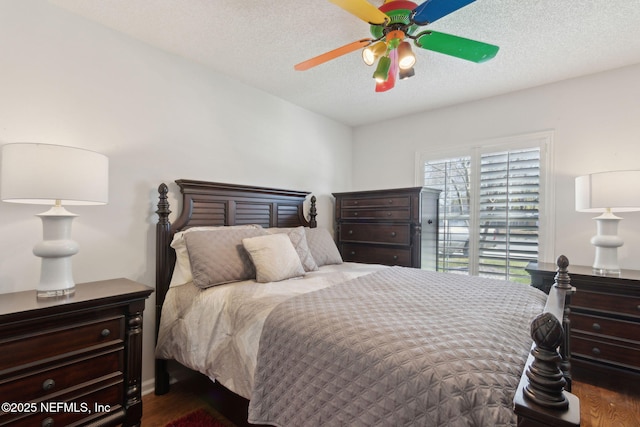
[{"x": 459, "y": 47}]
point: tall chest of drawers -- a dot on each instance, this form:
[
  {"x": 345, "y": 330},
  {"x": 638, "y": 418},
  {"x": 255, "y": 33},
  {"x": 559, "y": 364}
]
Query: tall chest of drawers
[
  {"x": 73, "y": 361},
  {"x": 391, "y": 227},
  {"x": 605, "y": 324}
]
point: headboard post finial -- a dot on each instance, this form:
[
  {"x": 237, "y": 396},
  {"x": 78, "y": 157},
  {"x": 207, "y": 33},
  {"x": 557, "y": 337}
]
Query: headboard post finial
[
  {"x": 313, "y": 213},
  {"x": 163, "y": 239},
  {"x": 163, "y": 204},
  {"x": 163, "y": 261}
]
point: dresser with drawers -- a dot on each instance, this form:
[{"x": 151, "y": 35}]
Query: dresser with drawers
[
  {"x": 74, "y": 360},
  {"x": 392, "y": 227},
  {"x": 605, "y": 324}
]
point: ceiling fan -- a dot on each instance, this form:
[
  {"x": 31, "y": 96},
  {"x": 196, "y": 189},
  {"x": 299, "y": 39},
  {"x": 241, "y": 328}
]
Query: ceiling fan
[{"x": 391, "y": 25}]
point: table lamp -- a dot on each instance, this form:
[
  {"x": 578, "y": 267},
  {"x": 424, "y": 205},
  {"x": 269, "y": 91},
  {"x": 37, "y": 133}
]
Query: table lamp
[
  {"x": 54, "y": 175},
  {"x": 607, "y": 193}
]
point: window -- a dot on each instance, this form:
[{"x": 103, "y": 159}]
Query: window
[
  {"x": 452, "y": 177},
  {"x": 490, "y": 202}
]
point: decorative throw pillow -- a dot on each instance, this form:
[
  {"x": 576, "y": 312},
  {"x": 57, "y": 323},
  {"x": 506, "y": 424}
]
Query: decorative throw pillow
[
  {"x": 218, "y": 256},
  {"x": 182, "y": 269},
  {"x": 323, "y": 248},
  {"x": 274, "y": 257},
  {"x": 298, "y": 238}
]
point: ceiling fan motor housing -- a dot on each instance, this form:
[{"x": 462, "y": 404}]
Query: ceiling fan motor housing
[{"x": 399, "y": 13}]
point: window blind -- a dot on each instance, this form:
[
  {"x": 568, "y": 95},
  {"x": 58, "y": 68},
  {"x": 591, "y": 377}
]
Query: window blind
[
  {"x": 489, "y": 211},
  {"x": 508, "y": 210}
]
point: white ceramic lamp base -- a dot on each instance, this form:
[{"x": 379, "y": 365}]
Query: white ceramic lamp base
[
  {"x": 56, "y": 250},
  {"x": 607, "y": 243}
]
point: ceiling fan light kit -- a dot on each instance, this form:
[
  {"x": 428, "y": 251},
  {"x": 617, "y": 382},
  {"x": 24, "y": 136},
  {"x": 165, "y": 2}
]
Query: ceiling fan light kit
[
  {"x": 391, "y": 25},
  {"x": 405, "y": 74},
  {"x": 406, "y": 58},
  {"x": 371, "y": 53},
  {"x": 382, "y": 70}
]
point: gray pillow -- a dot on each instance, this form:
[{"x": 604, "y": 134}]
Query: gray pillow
[
  {"x": 298, "y": 238},
  {"x": 322, "y": 247},
  {"x": 182, "y": 270},
  {"x": 218, "y": 256}
]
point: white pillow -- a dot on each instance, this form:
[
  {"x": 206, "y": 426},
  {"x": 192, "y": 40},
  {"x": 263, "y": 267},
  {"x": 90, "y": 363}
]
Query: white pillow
[
  {"x": 274, "y": 257},
  {"x": 182, "y": 270}
]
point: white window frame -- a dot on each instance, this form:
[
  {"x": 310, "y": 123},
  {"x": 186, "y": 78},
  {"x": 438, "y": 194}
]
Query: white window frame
[{"x": 544, "y": 141}]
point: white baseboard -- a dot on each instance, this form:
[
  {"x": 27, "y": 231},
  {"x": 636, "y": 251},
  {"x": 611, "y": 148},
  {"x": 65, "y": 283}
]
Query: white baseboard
[
  {"x": 148, "y": 386},
  {"x": 176, "y": 373}
]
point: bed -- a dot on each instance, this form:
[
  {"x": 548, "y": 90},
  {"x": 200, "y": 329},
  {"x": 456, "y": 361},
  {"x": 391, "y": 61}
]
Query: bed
[{"x": 253, "y": 294}]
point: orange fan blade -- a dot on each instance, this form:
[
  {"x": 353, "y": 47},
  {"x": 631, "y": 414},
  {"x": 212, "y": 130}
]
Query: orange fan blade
[
  {"x": 328, "y": 56},
  {"x": 363, "y": 10}
]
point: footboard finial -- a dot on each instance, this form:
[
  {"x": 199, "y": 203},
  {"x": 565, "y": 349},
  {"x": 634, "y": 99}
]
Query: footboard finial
[
  {"x": 563, "y": 281},
  {"x": 546, "y": 381}
]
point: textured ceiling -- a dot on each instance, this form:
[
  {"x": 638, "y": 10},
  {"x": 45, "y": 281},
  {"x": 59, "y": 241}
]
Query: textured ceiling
[{"x": 258, "y": 42}]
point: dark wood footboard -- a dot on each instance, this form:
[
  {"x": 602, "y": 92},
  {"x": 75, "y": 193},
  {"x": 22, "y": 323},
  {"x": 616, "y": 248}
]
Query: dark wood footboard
[{"x": 543, "y": 396}]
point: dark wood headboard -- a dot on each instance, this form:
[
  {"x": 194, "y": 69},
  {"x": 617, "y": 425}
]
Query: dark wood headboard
[{"x": 214, "y": 204}]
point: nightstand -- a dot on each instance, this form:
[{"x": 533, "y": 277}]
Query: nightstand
[
  {"x": 74, "y": 360},
  {"x": 605, "y": 324}
]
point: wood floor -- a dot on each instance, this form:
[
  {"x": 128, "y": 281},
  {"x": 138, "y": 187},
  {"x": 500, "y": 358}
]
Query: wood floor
[
  {"x": 599, "y": 407},
  {"x": 192, "y": 394}
]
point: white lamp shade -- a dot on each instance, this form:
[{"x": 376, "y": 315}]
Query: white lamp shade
[
  {"x": 617, "y": 191},
  {"x": 43, "y": 173}
]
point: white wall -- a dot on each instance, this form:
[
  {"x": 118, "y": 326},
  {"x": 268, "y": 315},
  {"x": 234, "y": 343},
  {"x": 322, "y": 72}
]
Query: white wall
[
  {"x": 596, "y": 124},
  {"x": 65, "y": 80}
]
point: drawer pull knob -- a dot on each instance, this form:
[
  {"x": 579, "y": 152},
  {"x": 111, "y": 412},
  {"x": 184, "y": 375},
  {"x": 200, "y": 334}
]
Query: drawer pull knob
[
  {"x": 390, "y": 201},
  {"x": 389, "y": 214},
  {"x": 429, "y": 222},
  {"x": 48, "y": 384},
  {"x": 595, "y": 350},
  {"x": 395, "y": 257},
  {"x": 355, "y": 203},
  {"x": 393, "y": 234},
  {"x": 353, "y": 252},
  {"x": 47, "y": 422},
  {"x": 105, "y": 333},
  {"x": 355, "y": 214},
  {"x": 596, "y": 326}
]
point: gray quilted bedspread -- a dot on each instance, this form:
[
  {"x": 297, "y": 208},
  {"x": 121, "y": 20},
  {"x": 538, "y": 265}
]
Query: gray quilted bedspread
[{"x": 400, "y": 347}]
